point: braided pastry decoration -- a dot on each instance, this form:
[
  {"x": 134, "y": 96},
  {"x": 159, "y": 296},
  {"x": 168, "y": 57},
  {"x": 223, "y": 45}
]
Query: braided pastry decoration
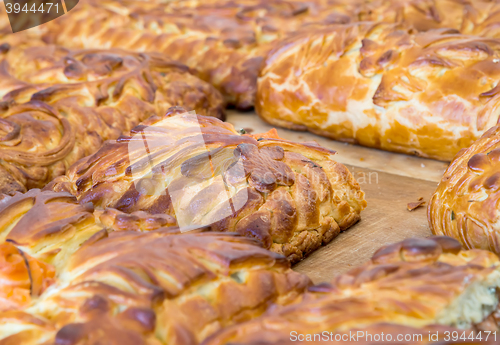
[
  {"x": 226, "y": 41},
  {"x": 292, "y": 197},
  {"x": 22, "y": 277},
  {"x": 70, "y": 279},
  {"x": 58, "y": 105},
  {"x": 429, "y": 94},
  {"x": 465, "y": 204},
  {"x": 411, "y": 287},
  {"x": 471, "y": 17}
]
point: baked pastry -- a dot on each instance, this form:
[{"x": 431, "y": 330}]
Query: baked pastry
[
  {"x": 47, "y": 226},
  {"x": 114, "y": 289},
  {"x": 65, "y": 275},
  {"x": 59, "y": 105},
  {"x": 465, "y": 204},
  {"x": 18, "y": 327},
  {"x": 377, "y": 85},
  {"x": 21, "y": 276},
  {"x": 224, "y": 41},
  {"x": 417, "y": 283},
  {"x": 383, "y": 333},
  {"x": 472, "y": 17},
  {"x": 229, "y": 54},
  {"x": 192, "y": 284},
  {"x": 292, "y": 197}
]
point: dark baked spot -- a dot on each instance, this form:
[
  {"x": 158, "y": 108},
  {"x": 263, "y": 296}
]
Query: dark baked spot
[{"x": 258, "y": 226}]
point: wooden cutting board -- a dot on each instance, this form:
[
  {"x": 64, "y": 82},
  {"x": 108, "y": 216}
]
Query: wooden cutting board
[
  {"x": 386, "y": 220},
  {"x": 390, "y": 182}
]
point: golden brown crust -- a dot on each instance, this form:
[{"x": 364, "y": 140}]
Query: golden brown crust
[
  {"x": 18, "y": 327},
  {"x": 429, "y": 94},
  {"x": 21, "y": 277},
  {"x": 111, "y": 284},
  {"x": 409, "y": 284},
  {"x": 46, "y": 225},
  {"x": 227, "y": 277},
  {"x": 224, "y": 41},
  {"x": 465, "y": 204},
  {"x": 52, "y": 226},
  {"x": 292, "y": 197},
  {"x": 178, "y": 288},
  {"x": 130, "y": 327},
  {"x": 135, "y": 221},
  {"x": 59, "y": 105},
  {"x": 229, "y": 54},
  {"x": 473, "y": 17}
]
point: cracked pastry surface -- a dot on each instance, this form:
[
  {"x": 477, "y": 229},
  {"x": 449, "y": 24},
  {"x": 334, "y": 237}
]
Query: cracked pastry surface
[
  {"x": 59, "y": 105},
  {"x": 415, "y": 285},
  {"x": 88, "y": 282},
  {"x": 429, "y": 94},
  {"x": 465, "y": 204},
  {"x": 292, "y": 197}
]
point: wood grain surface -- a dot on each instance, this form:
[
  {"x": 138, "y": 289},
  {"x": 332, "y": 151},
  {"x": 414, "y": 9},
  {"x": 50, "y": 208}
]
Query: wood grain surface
[{"x": 386, "y": 220}]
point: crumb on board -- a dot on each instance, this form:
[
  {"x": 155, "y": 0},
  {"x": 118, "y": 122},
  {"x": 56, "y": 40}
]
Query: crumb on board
[
  {"x": 245, "y": 130},
  {"x": 362, "y": 159},
  {"x": 414, "y": 205}
]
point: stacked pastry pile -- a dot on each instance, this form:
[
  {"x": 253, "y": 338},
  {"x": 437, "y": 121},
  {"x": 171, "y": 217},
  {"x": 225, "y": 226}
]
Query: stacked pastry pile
[{"x": 102, "y": 255}]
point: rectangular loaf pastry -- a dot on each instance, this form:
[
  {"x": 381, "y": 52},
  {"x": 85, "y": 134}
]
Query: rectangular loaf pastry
[
  {"x": 378, "y": 85},
  {"x": 59, "y": 105},
  {"x": 67, "y": 278},
  {"x": 293, "y": 197}
]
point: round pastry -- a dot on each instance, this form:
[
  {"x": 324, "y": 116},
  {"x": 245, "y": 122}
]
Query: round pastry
[{"x": 466, "y": 203}]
